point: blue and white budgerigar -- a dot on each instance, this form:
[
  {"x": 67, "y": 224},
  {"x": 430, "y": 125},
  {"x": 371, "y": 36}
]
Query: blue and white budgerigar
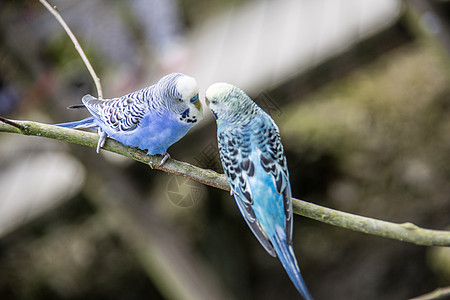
[
  {"x": 152, "y": 118},
  {"x": 254, "y": 163}
]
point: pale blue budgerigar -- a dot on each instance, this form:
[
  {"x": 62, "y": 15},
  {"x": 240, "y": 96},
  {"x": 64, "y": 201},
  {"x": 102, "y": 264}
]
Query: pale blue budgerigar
[
  {"x": 253, "y": 160},
  {"x": 152, "y": 118}
]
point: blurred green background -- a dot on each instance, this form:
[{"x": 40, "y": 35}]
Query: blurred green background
[{"x": 365, "y": 129}]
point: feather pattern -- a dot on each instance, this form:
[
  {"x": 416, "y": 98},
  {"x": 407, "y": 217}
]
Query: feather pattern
[{"x": 120, "y": 114}]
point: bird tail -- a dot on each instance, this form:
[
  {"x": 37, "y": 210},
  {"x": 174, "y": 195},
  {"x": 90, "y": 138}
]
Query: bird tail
[
  {"x": 76, "y": 106},
  {"x": 286, "y": 255},
  {"x": 85, "y": 123}
]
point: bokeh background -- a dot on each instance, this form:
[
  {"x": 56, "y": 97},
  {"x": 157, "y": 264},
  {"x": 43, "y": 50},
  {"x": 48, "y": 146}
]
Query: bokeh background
[{"x": 359, "y": 89}]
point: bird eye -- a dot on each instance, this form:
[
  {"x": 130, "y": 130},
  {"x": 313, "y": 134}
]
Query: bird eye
[
  {"x": 210, "y": 101},
  {"x": 180, "y": 100}
]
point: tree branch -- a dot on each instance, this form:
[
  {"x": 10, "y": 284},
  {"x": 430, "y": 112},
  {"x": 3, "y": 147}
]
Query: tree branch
[
  {"x": 54, "y": 11},
  {"x": 406, "y": 232}
]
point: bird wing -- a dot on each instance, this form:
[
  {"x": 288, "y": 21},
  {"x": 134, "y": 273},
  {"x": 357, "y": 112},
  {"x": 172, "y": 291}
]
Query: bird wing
[
  {"x": 274, "y": 162},
  {"x": 120, "y": 114},
  {"x": 235, "y": 147}
]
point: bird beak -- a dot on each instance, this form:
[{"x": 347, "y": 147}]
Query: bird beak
[
  {"x": 198, "y": 104},
  {"x": 195, "y": 100}
]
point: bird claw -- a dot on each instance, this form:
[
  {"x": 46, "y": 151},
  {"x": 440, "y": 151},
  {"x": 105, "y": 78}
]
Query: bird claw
[
  {"x": 166, "y": 156},
  {"x": 231, "y": 193},
  {"x": 101, "y": 139}
]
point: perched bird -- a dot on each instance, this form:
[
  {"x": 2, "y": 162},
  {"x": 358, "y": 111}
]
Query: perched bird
[
  {"x": 254, "y": 163},
  {"x": 152, "y": 118}
]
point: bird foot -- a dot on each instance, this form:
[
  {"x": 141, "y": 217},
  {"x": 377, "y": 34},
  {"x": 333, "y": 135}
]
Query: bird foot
[
  {"x": 101, "y": 139},
  {"x": 166, "y": 156}
]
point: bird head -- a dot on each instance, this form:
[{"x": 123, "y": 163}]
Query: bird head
[
  {"x": 181, "y": 93},
  {"x": 229, "y": 103}
]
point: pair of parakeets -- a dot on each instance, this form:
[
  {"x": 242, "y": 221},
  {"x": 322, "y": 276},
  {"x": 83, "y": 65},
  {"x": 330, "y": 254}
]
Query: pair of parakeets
[{"x": 249, "y": 142}]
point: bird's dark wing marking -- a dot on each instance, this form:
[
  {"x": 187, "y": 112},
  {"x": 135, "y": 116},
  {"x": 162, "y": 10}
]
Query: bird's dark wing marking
[{"x": 120, "y": 114}]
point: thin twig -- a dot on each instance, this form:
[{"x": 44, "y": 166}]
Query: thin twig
[
  {"x": 54, "y": 11},
  {"x": 406, "y": 232},
  {"x": 441, "y": 293}
]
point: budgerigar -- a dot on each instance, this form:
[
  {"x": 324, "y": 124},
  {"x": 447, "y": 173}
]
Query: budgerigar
[
  {"x": 254, "y": 163},
  {"x": 151, "y": 119}
]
